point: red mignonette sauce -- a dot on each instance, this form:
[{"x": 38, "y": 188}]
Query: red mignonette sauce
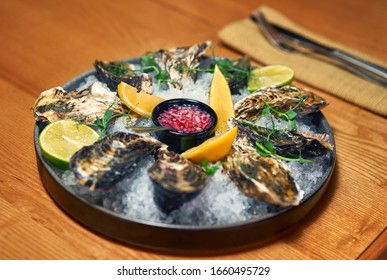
[{"x": 185, "y": 118}]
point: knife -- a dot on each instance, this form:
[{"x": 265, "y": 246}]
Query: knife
[
  {"x": 341, "y": 54},
  {"x": 359, "y": 66}
]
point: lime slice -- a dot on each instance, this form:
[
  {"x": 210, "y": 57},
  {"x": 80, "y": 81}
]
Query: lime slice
[
  {"x": 61, "y": 139},
  {"x": 271, "y": 75}
]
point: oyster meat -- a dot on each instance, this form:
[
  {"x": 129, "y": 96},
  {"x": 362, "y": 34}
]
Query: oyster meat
[
  {"x": 177, "y": 180},
  {"x": 286, "y": 143},
  {"x": 111, "y": 159},
  {"x": 84, "y": 105},
  {"x": 115, "y": 72},
  {"x": 262, "y": 178},
  {"x": 281, "y": 99},
  {"x": 176, "y": 61}
]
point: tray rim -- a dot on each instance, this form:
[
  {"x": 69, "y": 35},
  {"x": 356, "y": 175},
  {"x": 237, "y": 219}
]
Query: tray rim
[{"x": 191, "y": 234}]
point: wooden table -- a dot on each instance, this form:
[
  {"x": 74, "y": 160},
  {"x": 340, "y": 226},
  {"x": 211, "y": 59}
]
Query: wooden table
[{"x": 46, "y": 43}]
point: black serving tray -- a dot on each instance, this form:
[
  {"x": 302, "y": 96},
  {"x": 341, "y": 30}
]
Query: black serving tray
[{"x": 172, "y": 237}]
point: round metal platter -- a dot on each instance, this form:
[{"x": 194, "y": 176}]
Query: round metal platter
[{"x": 172, "y": 237}]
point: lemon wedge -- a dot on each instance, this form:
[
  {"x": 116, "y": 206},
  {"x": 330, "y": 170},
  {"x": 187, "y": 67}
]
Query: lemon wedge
[
  {"x": 213, "y": 149},
  {"x": 221, "y": 100},
  {"x": 140, "y": 102}
]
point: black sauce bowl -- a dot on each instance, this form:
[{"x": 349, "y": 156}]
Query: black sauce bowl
[{"x": 179, "y": 141}]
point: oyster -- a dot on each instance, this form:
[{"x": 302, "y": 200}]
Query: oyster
[
  {"x": 281, "y": 99},
  {"x": 286, "y": 143},
  {"x": 84, "y": 105},
  {"x": 112, "y": 73},
  {"x": 175, "y": 60},
  {"x": 177, "y": 180},
  {"x": 262, "y": 178},
  {"x": 237, "y": 73},
  {"x": 111, "y": 159}
]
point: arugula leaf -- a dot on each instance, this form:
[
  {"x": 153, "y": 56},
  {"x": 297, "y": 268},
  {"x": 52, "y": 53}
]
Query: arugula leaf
[
  {"x": 209, "y": 168},
  {"x": 162, "y": 75},
  {"x": 98, "y": 122},
  {"x": 150, "y": 64},
  {"x": 289, "y": 116},
  {"x": 148, "y": 60},
  {"x": 265, "y": 111},
  {"x": 260, "y": 149},
  {"x": 108, "y": 115},
  {"x": 269, "y": 146}
]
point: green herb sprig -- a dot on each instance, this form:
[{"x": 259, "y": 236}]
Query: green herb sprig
[
  {"x": 232, "y": 69},
  {"x": 150, "y": 64},
  {"x": 118, "y": 69},
  {"x": 102, "y": 124},
  {"x": 229, "y": 68},
  {"x": 266, "y": 148},
  {"x": 210, "y": 168},
  {"x": 289, "y": 116}
]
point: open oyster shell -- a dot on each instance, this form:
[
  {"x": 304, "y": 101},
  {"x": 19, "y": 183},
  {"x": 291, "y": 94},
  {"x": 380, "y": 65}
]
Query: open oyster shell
[
  {"x": 281, "y": 99},
  {"x": 84, "y": 105},
  {"x": 115, "y": 72},
  {"x": 262, "y": 178},
  {"x": 177, "y": 61}
]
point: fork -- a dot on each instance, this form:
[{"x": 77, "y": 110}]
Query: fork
[{"x": 360, "y": 68}]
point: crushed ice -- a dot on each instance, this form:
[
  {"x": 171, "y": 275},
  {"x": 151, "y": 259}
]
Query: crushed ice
[{"x": 220, "y": 203}]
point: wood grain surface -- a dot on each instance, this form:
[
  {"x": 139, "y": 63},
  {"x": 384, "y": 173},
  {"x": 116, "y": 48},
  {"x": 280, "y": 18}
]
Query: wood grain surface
[{"x": 46, "y": 43}]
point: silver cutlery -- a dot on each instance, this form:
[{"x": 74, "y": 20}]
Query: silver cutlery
[{"x": 289, "y": 41}]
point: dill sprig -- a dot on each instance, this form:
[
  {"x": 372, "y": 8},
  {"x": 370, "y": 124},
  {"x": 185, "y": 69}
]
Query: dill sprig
[
  {"x": 266, "y": 148},
  {"x": 118, "y": 69}
]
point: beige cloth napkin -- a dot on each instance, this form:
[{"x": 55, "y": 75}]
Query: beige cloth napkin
[{"x": 245, "y": 36}]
